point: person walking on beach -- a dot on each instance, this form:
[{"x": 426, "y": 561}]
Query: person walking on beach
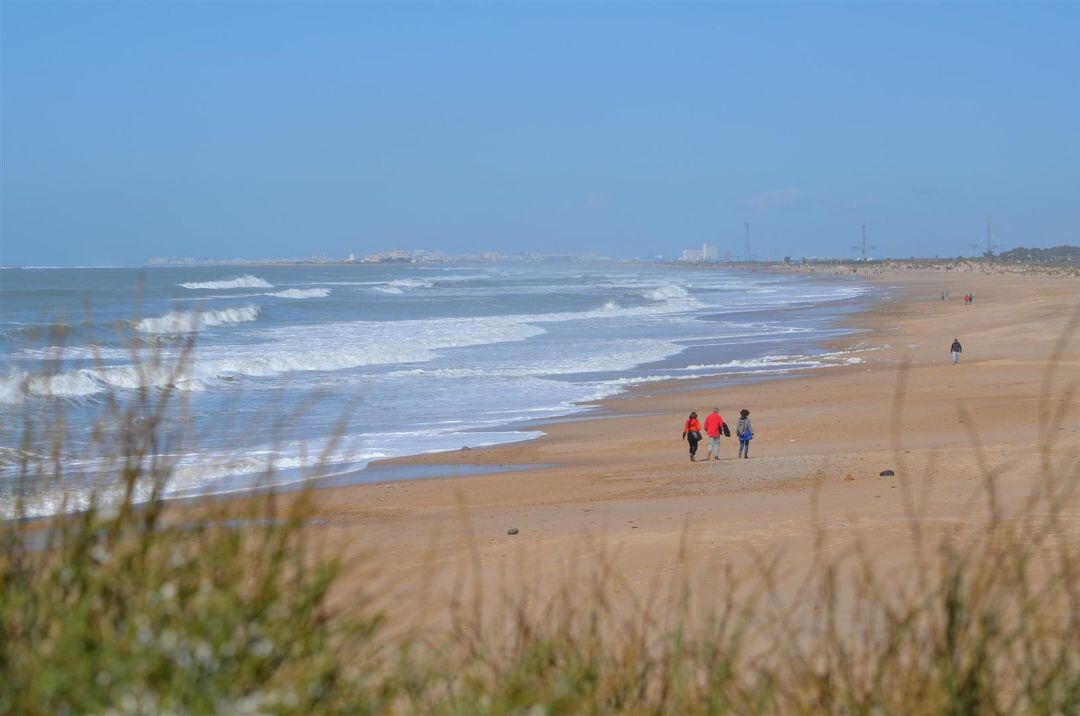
[
  {"x": 745, "y": 432},
  {"x": 714, "y": 427},
  {"x": 955, "y": 350},
  {"x": 692, "y": 434}
]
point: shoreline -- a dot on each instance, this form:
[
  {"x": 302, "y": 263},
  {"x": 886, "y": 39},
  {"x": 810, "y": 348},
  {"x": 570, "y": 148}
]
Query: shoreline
[
  {"x": 611, "y": 406},
  {"x": 606, "y": 407},
  {"x": 821, "y": 438}
]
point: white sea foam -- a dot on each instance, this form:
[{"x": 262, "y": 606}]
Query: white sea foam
[
  {"x": 401, "y": 285},
  {"x": 404, "y": 285},
  {"x": 300, "y": 293},
  {"x": 797, "y": 360},
  {"x": 340, "y": 346},
  {"x": 294, "y": 293},
  {"x": 85, "y": 382},
  {"x": 192, "y": 321},
  {"x": 666, "y": 293},
  {"x": 625, "y": 356},
  {"x": 245, "y": 281},
  {"x": 329, "y": 347}
]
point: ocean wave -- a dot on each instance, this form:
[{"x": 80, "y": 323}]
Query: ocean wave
[
  {"x": 404, "y": 285},
  {"x": 245, "y": 281},
  {"x": 300, "y": 293},
  {"x": 86, "y": 382},
  {"x": 293, "y": 293},
  {"x": 192, "y": 321},
  {"x": 797, "y": 360},
  {"x": 629, "y": 354},
  {"x": 337, "y": 346},
  {"x": 665, "y": 293},
  {"x": 329, "y": 347}
]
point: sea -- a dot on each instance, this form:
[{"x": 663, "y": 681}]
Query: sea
[{"x": 318, "y": 370}]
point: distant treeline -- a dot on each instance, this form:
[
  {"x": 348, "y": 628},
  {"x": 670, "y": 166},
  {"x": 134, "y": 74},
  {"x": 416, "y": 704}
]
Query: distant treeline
[{"x": 1056, "y": 255}]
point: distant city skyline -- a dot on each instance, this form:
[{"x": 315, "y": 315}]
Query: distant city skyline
[{"x": 135, "y": 130}]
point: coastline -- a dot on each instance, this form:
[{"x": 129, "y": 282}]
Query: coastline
[
  {"x": 822, "y": 437},
  {"x": 615, "y": 406}
]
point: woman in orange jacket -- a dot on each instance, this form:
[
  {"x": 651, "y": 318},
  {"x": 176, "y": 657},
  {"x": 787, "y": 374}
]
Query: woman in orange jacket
[{"x": 692, "y": 434}]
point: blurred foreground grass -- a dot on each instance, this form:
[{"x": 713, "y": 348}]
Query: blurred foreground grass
[{"x": 126, "y": 607}]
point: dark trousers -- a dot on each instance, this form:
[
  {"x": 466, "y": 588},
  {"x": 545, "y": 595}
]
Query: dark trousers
[{"x": 693, "y": 445}]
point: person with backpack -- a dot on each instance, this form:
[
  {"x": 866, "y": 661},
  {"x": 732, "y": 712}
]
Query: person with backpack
[
  {"x": 955, "y": 350},
  {"x": 692, "y": 434},
  {"x": 745, "y": 432},
  {"x": 714, "y": 428}
]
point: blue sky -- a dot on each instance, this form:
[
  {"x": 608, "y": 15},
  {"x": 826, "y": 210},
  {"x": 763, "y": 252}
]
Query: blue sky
[{"x": 228, "y": 129}]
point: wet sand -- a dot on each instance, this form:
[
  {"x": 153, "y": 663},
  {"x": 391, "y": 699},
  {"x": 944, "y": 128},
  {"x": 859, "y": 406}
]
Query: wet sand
[{"x": 623, "y": 484}]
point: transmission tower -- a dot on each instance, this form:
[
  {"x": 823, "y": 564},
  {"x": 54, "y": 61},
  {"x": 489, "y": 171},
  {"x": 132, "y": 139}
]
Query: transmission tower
[
  {"x": 749, "y": 256},
  {"x": 988, "y": 248},
  {"x": 864, "y": 248}
]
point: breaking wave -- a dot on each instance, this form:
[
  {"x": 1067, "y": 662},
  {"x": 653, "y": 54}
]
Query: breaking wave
[
  {"x": 665, "y": 293},
  {"x": 403, "y": 285},
  {"x": 192, "y": 321},
  {"x": 300, "y": 293},
  {"x": 245, "y": 281}
]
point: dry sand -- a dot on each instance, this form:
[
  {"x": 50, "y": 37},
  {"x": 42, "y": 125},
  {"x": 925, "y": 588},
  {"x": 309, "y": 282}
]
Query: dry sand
[{"x": 625, "y": 481}]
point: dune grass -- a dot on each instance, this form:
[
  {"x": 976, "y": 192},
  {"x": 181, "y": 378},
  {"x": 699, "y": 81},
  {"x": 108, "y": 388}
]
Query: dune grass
[{"x": 131, "y": 606}]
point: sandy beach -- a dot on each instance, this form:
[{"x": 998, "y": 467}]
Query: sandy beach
[{"x": 622, "y": 484}]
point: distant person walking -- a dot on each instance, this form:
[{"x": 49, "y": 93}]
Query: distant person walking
[
  {"x": 955, "y": 350},
  {"x": 745, "y": 432},
  {"x": 714, "y": 428},
  {"x": 692, "y": 434}
]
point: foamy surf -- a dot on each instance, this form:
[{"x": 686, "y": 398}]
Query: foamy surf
[
  {"x": 298, "y": 293},
  {"x": 476, "y": 351},
  {"x": 666, "y": 293},
  {"x": 245, "y": 281},
  {"x": 193, "y": 321}
]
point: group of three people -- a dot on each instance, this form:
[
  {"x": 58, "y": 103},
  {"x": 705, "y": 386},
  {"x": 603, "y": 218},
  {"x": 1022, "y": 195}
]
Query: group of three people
[{"x": 715, "y": 428}]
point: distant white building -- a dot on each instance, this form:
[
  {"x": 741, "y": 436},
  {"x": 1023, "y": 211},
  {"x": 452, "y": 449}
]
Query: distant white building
[{"x": 705, "y": 253}]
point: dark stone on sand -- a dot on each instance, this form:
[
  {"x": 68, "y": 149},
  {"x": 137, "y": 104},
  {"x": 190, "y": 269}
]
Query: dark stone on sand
[
  {"x": 512, "y": 531},
  {"x": 465, "y": 448},
  {"x": 886, "y": 473}
]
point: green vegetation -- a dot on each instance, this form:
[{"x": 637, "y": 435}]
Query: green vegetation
[{"x": 132, "y": 608}]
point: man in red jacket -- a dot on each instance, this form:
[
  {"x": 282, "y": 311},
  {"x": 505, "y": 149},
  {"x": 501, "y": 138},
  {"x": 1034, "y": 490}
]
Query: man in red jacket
[{"x": 714, "y": 426}]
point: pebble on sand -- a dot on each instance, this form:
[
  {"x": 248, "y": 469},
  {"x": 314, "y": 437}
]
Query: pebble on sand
[
  {"x": 886, "y": 473},
  {"x": 512, "y": 531}
]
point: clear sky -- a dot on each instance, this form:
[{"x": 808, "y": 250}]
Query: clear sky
[{"x": 226, "y": 129}]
